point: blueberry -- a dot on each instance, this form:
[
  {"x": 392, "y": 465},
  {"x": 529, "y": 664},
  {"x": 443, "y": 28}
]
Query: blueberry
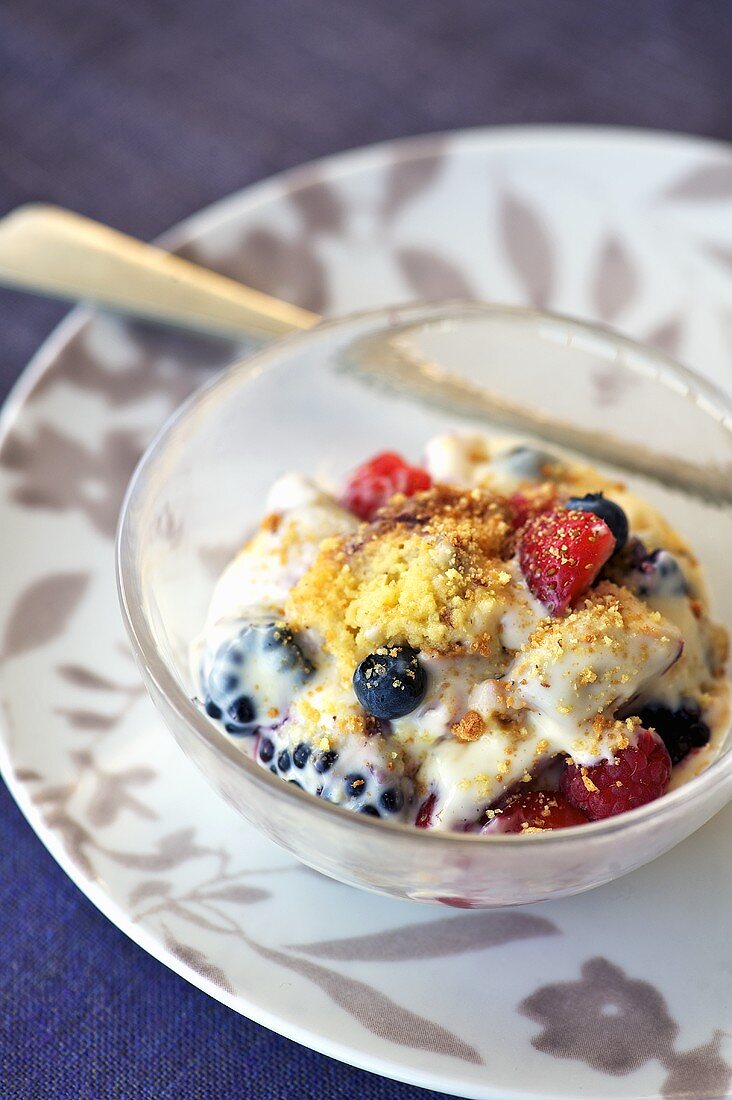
[
  {"x": 284, "y": 761},
  {"x": 242, "y": 711},
  {"x": 526, "y": 463},
  {"x": 211, "y": 709},
  {"x": 324, "y": 761},
  {"x": 253, "y": 674},
  {"x": 371, "y": 811},
  {"x": 680, "y": 730},
  {"x": 237, "y": 731},
  {"x": 608, "y": 510},
  {"x": 392, "y": 800},
  {"x": 266, "y": 750},
  {"x": 301, "y": 755},
  {"x": 355, "y": 785},
  {"x": 390, "y": 682},
  {"x": 660, "y": 575}
]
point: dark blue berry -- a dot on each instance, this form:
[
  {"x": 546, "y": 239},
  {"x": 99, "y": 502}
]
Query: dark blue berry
[
  {"x": 392, "y": 800},
  {"x": 527, "y": 463},
  {"x": 294, "y": 783},
  {"x": 284, "y": 761},
  {"x": 370, "y": 810},
  {"x": 254, "y": 675},
  {"x": 680, "y": 730},
  {"x": 607, "y": 510},
  {"x": 659, "y": 575},
  {"x": 266, "y": 750},
  {"x": 301, "y": 755},
  {"x": 355, "y": 785},
  {"x": 242, "y": 711},
  {"x": 324, "y": 761},
  {"x": 390, "y": 682},
  {"x": 211, "y": 709}
]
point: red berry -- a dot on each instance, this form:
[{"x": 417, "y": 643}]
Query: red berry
[
  {"x": 424, "y": 814},
  {"x": 639, "y": 774},
  {"x": 561, "y": 553},
  {"x": 544, "y": 810},
  {"x": 375, "y": 483}
]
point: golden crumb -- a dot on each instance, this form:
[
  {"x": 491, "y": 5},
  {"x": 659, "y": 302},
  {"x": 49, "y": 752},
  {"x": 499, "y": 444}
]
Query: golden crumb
[
  {"x": 272, "y": 522},
  {"x": 470, "y": 727},
  {"x": 428, "y": 571}
]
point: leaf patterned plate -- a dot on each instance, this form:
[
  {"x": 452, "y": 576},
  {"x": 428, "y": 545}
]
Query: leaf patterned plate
[{"x": 623, "y": 992}]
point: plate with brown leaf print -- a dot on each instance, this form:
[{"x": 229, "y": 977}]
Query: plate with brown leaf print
[{"x": 622, "y": 992}]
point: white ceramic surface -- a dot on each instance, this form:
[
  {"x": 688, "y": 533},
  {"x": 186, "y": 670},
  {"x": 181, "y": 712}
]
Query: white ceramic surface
[{"x": 623, "y": 992}]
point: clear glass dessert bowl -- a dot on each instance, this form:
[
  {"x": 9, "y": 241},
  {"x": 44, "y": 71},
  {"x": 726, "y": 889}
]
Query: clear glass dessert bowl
[{"x": 318, "y": 402}]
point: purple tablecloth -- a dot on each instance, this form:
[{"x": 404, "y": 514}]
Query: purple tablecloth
[{"x": 138, "y": 114}]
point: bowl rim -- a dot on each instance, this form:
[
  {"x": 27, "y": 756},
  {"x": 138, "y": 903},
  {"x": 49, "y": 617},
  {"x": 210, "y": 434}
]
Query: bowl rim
[{"x": 665, "y": 369}]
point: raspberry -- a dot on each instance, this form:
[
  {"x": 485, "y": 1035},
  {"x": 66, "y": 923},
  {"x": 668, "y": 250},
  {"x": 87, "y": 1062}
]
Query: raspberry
[
  {"x": 561, "y": 554},
  {"x": 375, "y": 483},
  {"x": 535, "y": 810},
  {"x": 639, "y": 774}
]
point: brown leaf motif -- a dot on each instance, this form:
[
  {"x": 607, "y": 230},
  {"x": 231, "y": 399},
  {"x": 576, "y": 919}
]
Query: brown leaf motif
[
  {"x": 239, "y": 893},
  {"x": 198, "y": 962},
  {"x": 722, "y": 253},
  {"x": 529, "y": 248},
  {"x": 56, "y": 473},
  {"x": 151, "y": 888},
  {"x": 667, "y": 336},
  {"x": 432, "y": 276},
  {"x": 168, "y": 364},
  {"x": 172, "y": 850},
  {"x": 407, "y": 177},
  {"x": 615, "y": 282},
  {"x": 42, "y": 612},
  {"x": 711, "y": 181},
  {"x": 85, "y": 678},
  {"x": 319, "y": 205},
  {"x": 90, "y": 721},
  {"x": 375, "y": 1011},
  {"x": 113, "y": 794},
  {"x": 434, "y": 939},
  {"x": 285, "y": 266}
]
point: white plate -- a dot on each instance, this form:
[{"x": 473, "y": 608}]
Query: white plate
[{"x": 624, "y": 992}]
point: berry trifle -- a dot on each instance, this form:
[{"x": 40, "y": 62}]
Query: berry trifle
[{"x": 498, "y": 640}]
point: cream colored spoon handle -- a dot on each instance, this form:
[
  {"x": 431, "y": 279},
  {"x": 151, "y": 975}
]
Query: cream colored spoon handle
[{"x": 54, "y": 251}]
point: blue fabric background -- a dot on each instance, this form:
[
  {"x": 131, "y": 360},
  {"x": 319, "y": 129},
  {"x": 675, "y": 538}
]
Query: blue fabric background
[{"x": 140, "y": 113}]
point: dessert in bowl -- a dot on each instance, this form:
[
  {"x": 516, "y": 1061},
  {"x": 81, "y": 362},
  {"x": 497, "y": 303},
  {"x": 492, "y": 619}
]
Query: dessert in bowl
[
  {"x": 498, "y": 640},
  {"x": 505, "y": 661}
]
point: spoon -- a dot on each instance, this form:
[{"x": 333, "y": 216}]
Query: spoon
[
  {"x": 49, "y": 250},
  {"x": 52, "y": 251}
]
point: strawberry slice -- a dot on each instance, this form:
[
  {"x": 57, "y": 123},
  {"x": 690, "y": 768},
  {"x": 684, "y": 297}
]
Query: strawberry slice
[
  {"x": 561, "y": 554},
  {"x": 535, "y": 810},
  {"x": 524, "y": 506},
  {"x": 375, "y": 483}
]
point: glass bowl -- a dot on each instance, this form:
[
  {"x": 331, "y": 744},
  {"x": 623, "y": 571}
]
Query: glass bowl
[{"x": 304, "y": 404}]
